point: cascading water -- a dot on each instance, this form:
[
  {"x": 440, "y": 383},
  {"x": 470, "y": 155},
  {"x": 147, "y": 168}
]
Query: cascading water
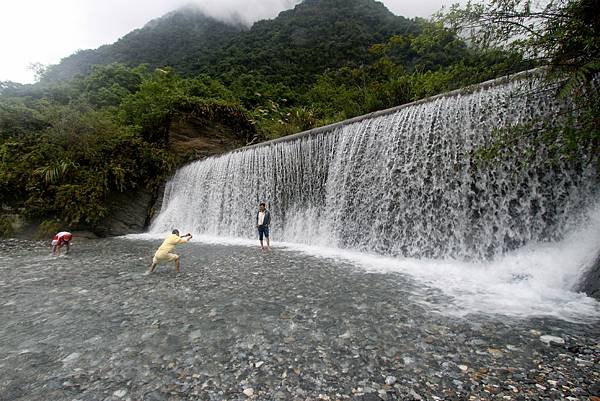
[{"x": 404, "y": 183}]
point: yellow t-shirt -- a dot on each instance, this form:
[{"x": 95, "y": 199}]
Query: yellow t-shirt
[{"x": 169, "y": 243}]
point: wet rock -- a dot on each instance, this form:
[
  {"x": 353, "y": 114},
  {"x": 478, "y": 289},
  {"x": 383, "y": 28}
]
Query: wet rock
[
  {"x": 548, "y": 339},
  {"x": 367, "y": 397},
  {"x": 590, "y": 282},
  {"x": 155, "y": 396}
]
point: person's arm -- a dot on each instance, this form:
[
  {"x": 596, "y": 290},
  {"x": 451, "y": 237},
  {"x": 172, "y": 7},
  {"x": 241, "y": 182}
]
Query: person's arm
[{"x": 188, "y": 236}]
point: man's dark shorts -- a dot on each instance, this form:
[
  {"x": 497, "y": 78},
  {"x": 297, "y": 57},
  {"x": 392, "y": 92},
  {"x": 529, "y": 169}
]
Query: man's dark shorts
[{"x": 263, "y": 230}]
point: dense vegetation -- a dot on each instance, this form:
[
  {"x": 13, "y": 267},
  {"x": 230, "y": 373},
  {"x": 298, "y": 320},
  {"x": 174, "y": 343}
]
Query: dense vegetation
[
  {"x": 184, "y": 39},
  {"x": 65, "y": 148},
  {"x": 563, "y": 35},
  {"x": 292, "y": 48},
  {"x": 67, "y": 144}
]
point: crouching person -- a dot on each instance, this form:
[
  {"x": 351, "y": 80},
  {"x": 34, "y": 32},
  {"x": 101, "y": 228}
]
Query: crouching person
[
  {"x": 61, "y": 239},
  {"x": 163, "y": 254}
]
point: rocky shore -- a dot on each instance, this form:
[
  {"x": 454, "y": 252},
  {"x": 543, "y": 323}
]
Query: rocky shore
[{"x": 238, "y": 324}]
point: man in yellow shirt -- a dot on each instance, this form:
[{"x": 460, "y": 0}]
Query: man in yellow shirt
[{"x": 163, "y": 254}]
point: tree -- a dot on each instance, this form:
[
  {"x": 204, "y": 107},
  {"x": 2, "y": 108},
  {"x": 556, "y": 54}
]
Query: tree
[{"x": 563, "y": 35}]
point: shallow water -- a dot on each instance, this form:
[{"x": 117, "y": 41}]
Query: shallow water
[{"x": 286, "y": 324}]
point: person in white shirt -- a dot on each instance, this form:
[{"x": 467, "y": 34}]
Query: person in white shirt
[{"x": 263, "y": 219}]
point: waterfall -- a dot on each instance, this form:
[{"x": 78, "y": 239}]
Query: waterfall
[{"x": 402, "y": 182}]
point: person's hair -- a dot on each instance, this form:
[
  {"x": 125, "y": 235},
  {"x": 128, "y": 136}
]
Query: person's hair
[
  {"x": 262, "y": 204},
  {"x": 175, "y": 232}
]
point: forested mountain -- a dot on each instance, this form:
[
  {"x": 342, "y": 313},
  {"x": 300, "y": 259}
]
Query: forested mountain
[
  {"x": 315, "y": 36},
  {"x": 292, "y": 48},
  {"x": 185, "y": 39}
]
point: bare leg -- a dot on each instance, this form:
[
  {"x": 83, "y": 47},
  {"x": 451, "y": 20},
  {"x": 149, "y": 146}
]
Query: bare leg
[
  {"x": 68, "y": 248},
  {"x": 261, "y": 245},
  {"x": 54, "y": 250},
  {"x": 268, "y": 244},
  {"x": 177, "y": 265},
  {"x": 152, "y": 267}
]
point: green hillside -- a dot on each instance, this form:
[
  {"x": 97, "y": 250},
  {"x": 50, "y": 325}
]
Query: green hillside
[
  {"x": 184, "y": 39},
  {"x": 292, "y": 48},
  {"x": 315, "y": 36}
]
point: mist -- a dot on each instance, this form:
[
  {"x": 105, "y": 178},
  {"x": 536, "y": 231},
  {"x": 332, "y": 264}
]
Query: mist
[{"x": 244, "y": 11}]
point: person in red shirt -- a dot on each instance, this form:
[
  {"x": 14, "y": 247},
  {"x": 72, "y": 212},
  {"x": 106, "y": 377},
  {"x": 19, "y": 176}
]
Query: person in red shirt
[{"x": 60, "y": 239}]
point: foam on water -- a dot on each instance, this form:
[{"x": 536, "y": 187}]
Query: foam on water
[{"x": 537, "y": 280}]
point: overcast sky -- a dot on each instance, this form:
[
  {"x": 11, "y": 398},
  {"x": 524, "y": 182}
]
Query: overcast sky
[{"x": 44, "y": 31}]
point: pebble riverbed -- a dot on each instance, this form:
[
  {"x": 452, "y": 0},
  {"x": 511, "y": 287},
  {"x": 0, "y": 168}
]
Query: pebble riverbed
[{"x": 240, "y": 324}]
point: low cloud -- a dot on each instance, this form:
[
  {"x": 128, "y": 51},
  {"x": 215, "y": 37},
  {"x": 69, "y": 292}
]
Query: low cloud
[{"x": 244, "y": 11}]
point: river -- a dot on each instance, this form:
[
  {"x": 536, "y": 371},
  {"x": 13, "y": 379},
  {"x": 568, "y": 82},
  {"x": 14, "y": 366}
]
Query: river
[{"x": 295, "y": 323}]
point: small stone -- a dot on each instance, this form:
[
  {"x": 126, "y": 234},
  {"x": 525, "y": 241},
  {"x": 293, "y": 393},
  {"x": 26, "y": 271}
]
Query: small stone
[
  {"x": 258, "y": 364},
  {"x": 371, "y": 397},
  {"x": 414, "y": 395},
  {"x": 120, "y": 393},
  {"x": 71, "y": 357},
  {"x": 194, "y": 335},
  {"x": 496, "y": 353},
  {"x": 249, "y": 392},
  {"x": 464, "y": 368},
  {"x": 390, "y": 380},
  {"x": 547, "y": 339}
]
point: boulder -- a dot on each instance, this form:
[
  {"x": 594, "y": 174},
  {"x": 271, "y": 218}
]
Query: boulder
[{"x": 590, "y": 282}]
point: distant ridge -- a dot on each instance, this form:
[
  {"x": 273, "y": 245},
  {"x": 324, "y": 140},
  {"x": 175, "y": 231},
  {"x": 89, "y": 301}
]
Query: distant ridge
[
  {"x": 314, "y": 36},
  {"x": 181, "y": 39}
]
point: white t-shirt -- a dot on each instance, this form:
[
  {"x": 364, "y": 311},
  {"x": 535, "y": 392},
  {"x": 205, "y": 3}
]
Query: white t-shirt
[{"x": 261, "y": 218}]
